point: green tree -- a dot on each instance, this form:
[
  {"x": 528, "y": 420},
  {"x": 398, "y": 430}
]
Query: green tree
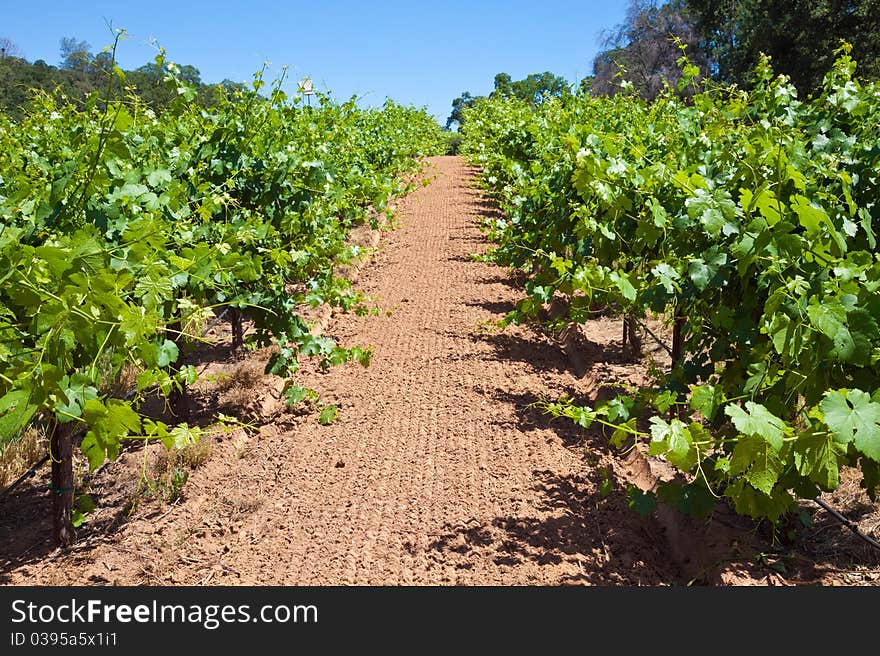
[
  {"x": 800, "y": 36},
  {"x": 19, "y": 80},
  {"x": 533, "y": 89},
  {"x": 459, "y": 105},
  {"x": 82, "y": 74},
  {"x": 503, "y": 83},
  {"x": 585, "y": 86}
]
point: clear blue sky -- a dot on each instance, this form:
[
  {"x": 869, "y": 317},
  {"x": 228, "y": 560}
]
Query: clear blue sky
[{"x": 421, "y": 53}]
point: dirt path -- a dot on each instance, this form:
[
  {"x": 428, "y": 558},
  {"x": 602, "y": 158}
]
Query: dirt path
[
  {"x": 443, "y": 480},
  {"x": 430, "y": 475},
  {"x": 436, "y": 472}
]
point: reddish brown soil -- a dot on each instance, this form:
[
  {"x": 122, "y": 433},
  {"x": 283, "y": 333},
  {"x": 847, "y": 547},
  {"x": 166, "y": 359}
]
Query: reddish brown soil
[{"x": 437, "y": 471}]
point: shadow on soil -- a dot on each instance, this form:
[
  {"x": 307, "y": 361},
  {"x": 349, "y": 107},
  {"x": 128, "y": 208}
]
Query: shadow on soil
[
  {"x": 500, "y": 308},
  {"x": 25, "y": 513},
  {"x": 530, "y": 417},
  {"x": 502, "y": 278},
  {"x": 485, "y": 207},
  {"x": 589, "y": 524},
  {"x": 832, "y": 544},
  {"x": 25, "y": 535},
  {"x": 719, "y": 552},
  {"x": 460, "y": 258},
  {"x": 541, "y": 355},
  {"x": 596, "y": 536}
]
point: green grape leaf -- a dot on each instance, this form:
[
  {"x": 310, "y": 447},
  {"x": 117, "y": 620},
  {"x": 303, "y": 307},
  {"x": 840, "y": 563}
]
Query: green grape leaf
[
  {"x": 701, "y": 271},
  {"x": 623, "y": 432},
  {"x": 362, "y": 355},
  {"x": 810, "y": 217},
  {"x": 85, "y": 503},
  {"x": 77, "y": 518},
  {"x": 665, "y": 400},
  {"x": 769, "y": 207},
  {"x": 673, "y": 440},
  {"x": 166, "y": 353},
  {"x": 620, "y": 408},
  {"x": 815, "y": 458},
  {"x": 852, "y": 416},
  {"x": 57, "y": 259},
  {"x": 121, "y": 420},
  {"x": 17, "y": 408},
  {"x": 757, "y": 421},
  {"x": 296, "y": 394},
  {"x": 758, "y": 461},
  {"x": 693, "y": 499},
  {"x": 642, "y": 502},
  {"x": 158, "y": 176},
  {"x": 624, "y": 284},
  {"x": 755, "y": 503},
  {"x": 606, "y": 487},
  {"x": 667, "y": 276},
  {"x": 94, "y": 411},
  {"x": 182, "y": 436},
  {"x": 94, "y": 451},
  {"x": 706, "y": 399},
  {"x": 328, "y": 414},
  {"x": 78, "y": 389}
]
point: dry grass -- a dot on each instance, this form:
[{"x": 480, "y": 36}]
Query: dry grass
[
  {"x": 196, "y": 323},
  {"x": 245, "y": 377},
  {"x": 169, "y": 470},
  {"x": 196, "y": 455},
  {"x": 21, "y": 453},
  {"x": 123, "y": 383},
  {"x": 239, "y": 385},
  {"x": 191, "y": 457}
]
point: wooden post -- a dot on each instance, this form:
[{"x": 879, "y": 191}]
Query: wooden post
[
  {"x": 61, "y": 446},
  {"x": 632, "y": 343},
  {"x": 678, "y": 354},
  {"x": 630, "y": 335},
  {"x": 236, "y": 322},
  {"x": 178, "y": 399},
  {"x": 677, "y": 340}
]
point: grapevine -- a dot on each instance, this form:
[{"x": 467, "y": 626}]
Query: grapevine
[
  {"x": 121, "y": 229},
  {"x": 748, "y": 219}
]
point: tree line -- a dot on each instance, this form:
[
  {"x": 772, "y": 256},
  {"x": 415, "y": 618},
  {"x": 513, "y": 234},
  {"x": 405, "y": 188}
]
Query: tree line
[
  {"x": 80, "y": 73},
  {"x": 725, "y": 40}
]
